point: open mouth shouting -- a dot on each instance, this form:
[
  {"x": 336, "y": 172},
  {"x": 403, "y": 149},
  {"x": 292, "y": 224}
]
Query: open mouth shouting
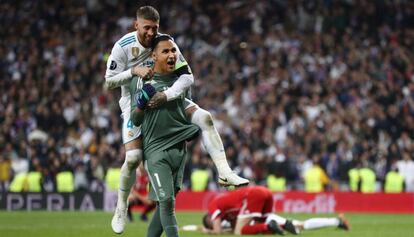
[{"x": 171, "y": 62}]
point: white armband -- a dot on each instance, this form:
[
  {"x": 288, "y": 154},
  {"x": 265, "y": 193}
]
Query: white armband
[
  {"x": 179, "y": 87},
  {"x": 119, "y": 79}
]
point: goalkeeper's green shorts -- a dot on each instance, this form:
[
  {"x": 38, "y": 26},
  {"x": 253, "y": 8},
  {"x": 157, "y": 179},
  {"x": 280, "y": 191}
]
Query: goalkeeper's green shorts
[{"x": 165, "y": 171}]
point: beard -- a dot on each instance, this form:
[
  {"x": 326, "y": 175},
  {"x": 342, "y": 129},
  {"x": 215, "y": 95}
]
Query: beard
[{"x": 145, "y": 40}]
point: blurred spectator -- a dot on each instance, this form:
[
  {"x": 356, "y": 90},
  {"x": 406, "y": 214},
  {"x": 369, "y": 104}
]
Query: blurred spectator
[
  {"x": 80, "y": 181},
  {"x": 96, "y": 174},
  {"x": 315, "y": 178},
  {"x": 368, "y": 179},
  {"x": 394, "y": 181},
  {"x": 5, "y": 173},
  {"x": 406, "y": 169}
]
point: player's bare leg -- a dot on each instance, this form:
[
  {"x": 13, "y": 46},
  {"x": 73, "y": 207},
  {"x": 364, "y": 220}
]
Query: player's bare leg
[
  {"x": 133, "y": 157},
  {"x": 214, "y": 146}
]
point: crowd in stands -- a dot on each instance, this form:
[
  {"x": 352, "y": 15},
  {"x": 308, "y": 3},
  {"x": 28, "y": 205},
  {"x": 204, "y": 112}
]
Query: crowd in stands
[{"x": 290, "y": 84}]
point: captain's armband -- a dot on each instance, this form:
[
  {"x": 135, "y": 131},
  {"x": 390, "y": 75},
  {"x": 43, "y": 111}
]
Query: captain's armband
[{"x": 183, "y": 70}]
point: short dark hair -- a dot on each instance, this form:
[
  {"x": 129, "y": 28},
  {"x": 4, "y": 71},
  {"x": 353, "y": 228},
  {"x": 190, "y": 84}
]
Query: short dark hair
[
  {"x": 159, "y": 38},
  {"x": 207, "y": 222},
  {"x": 148, "y": 13}
]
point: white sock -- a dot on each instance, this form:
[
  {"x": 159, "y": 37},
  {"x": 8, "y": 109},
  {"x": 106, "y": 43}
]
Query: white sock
[
  {"x": 211, "y": 140},
  {"x": 128, "y": 175},
  {"x": 280, "y": 220},
  {"x": 315, "y": 223}
]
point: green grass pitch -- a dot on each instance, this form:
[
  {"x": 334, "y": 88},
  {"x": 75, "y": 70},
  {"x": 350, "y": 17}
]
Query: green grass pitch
[{"x": 97, "y": 224}]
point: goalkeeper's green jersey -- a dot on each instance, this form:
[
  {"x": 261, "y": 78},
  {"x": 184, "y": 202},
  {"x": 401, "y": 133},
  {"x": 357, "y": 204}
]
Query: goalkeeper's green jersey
[{"x": 166, "y": 125}]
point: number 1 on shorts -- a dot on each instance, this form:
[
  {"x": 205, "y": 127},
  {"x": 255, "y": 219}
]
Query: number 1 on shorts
[{"x": 158, "y": 179}]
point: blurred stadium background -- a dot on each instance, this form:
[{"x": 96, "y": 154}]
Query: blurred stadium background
[{"x": 297, "y": 88}]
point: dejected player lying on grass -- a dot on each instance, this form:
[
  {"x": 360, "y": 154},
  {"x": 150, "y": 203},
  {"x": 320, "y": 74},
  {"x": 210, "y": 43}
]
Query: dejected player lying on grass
[
  {"x": 291, "y": 226},
  {"x": 249, "y": 210}
]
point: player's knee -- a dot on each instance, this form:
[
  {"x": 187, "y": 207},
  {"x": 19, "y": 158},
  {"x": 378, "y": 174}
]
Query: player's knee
[
  {"x": 133, "y": 158},
  {"x": 167, "y": 206},
  {"x": 203, "y": 119}
]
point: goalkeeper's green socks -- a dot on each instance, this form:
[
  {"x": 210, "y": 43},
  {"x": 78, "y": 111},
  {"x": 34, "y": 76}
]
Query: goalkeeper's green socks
[
  {"x": 167, "y": 216},
  {"x": 164, "y": 219},
  {"x": 155, "y": 227}
]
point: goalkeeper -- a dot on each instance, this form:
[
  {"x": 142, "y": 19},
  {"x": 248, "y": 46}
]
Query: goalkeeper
[{"x": 165, "y": 131}]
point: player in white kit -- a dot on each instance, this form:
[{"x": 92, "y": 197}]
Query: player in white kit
[{"x": 131, "y": 56}]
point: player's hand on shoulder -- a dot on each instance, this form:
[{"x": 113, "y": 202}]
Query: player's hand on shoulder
[
  {"x": 145, "y": 73},
  {"x": 157, "y": 100}
]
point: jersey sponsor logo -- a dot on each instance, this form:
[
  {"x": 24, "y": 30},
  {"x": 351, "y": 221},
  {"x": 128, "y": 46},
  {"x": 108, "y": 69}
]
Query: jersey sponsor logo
[
  {"x": 148, "y": 63},
  {"x": 135, "y": 52},
  {"x": 113, "y": 65}
]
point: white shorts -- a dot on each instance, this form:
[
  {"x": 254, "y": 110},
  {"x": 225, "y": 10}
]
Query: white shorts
[{"x": 129, "y": 131}]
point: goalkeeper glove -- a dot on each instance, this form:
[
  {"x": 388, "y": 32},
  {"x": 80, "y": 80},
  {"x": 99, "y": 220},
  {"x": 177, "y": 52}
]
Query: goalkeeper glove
[{"x": 146, "y": 93}]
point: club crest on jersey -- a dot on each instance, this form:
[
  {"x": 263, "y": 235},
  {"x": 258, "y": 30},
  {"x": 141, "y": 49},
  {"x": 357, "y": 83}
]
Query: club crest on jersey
[{"x": 135, "y": 52}]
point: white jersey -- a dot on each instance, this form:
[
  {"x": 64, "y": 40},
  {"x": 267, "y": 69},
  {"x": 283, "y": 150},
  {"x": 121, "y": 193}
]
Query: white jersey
[{"x": 127, "y": 53}]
